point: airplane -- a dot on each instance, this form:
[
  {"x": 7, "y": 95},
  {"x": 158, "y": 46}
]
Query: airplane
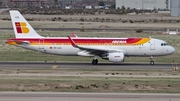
[{"x": 112, "y": 49}]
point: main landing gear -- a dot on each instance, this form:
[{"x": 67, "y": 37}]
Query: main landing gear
[
  {"x": 151, "y": 60},
  {"x": 95, "y": 61}
]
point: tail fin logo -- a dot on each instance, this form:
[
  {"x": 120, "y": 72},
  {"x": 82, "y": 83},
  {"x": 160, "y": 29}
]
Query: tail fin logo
[{"x": 21, "y": 28}]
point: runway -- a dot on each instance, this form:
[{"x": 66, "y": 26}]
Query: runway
[
  {"x": 85, "y": 65},
  {"x": 56, "y": 96}
]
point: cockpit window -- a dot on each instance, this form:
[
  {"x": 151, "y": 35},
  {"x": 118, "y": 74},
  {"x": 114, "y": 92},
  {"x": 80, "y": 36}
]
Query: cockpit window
[{"x": 164, "y": 44}]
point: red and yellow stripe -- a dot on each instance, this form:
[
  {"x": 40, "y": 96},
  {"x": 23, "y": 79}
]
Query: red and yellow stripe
[{"x": 81, "y": 41}]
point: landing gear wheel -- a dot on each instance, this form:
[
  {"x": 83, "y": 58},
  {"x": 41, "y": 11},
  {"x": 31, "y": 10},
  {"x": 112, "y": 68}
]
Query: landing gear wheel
[
  {"x": 95, "y": 62},
  {"x": 152, "y": 62}
]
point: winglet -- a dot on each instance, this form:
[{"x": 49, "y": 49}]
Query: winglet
[
  {"x": 72, "y": 42},
  {"x": 74, "y": 35}
]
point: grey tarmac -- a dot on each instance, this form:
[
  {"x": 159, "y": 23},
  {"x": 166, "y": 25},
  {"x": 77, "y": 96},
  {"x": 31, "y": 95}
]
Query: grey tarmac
[
  {"x": 82, "y": 65},
  {"x": 64, "y": 96}
]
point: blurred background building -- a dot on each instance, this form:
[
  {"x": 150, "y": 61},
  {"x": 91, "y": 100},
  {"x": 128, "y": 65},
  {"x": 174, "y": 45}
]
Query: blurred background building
[
  {"x": 144, "y": 4},
  {"x": 69, "y": 4},
  {"x": 175, "y": 7},
  {"x": 22, "y": 3},
  {"x": 159, "y": 5}
]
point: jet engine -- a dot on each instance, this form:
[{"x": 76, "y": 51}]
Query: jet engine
[{"x": 116, "y": 57}]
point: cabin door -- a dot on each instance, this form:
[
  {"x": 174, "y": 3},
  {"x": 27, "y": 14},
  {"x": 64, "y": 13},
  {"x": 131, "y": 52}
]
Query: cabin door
[
  {"x": 152, "y": 45},
  {"x": 41, "y": 44}
]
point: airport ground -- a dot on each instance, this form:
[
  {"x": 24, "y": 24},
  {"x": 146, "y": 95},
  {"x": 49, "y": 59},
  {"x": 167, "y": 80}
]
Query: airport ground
[{"x": 58, "y": 77}]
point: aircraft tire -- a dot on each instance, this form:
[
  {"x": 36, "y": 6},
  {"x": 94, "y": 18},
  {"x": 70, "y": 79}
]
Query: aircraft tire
[
  {"x": 152, "y": 62},
  {"x": 95, "y": 62}
]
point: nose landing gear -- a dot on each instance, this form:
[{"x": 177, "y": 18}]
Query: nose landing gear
[{"x": 151, "y": 60}]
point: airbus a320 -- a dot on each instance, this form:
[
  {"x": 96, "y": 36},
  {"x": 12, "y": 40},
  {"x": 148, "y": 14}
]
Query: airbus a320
[{"x": 112, "y": 49}]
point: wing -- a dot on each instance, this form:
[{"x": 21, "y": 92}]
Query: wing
[{"x": 95, "y": 50}]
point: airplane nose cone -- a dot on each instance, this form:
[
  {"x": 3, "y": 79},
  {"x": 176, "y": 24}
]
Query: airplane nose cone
[{"x": 172, "y": 50}]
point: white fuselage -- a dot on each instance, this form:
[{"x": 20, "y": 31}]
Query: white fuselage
[{"x": 152, "y": 48}]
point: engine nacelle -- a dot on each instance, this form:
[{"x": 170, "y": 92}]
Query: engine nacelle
[{"x": 116, "y": 57}]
